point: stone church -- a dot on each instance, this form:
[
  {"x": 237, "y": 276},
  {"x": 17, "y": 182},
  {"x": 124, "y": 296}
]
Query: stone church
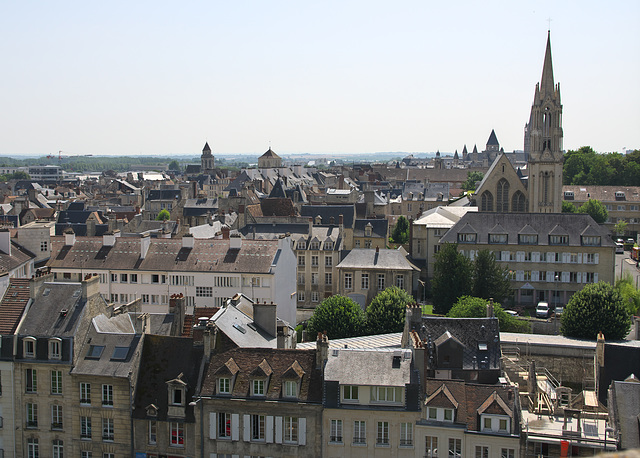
[{"x": 504, "y": 189}]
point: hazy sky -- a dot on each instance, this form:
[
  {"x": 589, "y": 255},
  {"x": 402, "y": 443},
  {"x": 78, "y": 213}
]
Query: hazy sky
[{"x": 334, "y": 77}]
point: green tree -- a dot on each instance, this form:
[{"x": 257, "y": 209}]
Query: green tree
[
  {"x": 629, "y": 293},
  {"x": 596, "y": 210},
  {"x": 400, "y": 232},
  {"x": 568, "y": 207},
  {"x": 173, "y": 165},
  {"x": 339, "y": 316},
  {"x": 164, "y": 215},
  {"x": 472, "y": 179},
  {"x": 386, "y": 311},
  {"x": 596, "y": 308},
  {"x": 476, "y": 307},
  {"x": 620, "y": 227},
  {"x": 489, "y": 279},
  {"x": 452, "y": 273}
]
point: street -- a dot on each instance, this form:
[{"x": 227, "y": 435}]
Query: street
[{"x": 627, "y": 266}]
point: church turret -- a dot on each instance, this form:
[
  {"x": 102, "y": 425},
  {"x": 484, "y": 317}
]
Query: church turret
[
  {"x": 543, "y": 143},
  {"x": 207, "y": 161}
]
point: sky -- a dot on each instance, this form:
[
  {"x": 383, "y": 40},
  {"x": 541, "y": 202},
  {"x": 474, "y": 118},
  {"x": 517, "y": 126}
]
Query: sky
[{"x": 331, "y": 77}]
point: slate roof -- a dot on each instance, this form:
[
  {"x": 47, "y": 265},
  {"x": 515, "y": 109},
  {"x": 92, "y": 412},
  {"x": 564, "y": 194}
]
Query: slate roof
[
  {"x": 164, "y": 194},
  {"x": 255, "y": 256},
  {"x": 624, "y": 403},
  {"x": 241, "y": 330},
  {"x": 470, "y": 399},
  {"x": 19, "y": 256},
  {"x": 279, "y": 361},
  {"x": 269, "y": 153},
  {"x": 198, "y": 207},
  {"x": 603, "y": 193},
  {"x": 328, "y": 211},
  {"x": 543, "y": 224},
  {"x": 493, "y": 140},
  {"x": 163, "y": 359},
  {"x": 369, "y": 258},
  {"x": 277, "y": 206},
  {"x": 379, "y": 227},
  {"x": 13, "y": 303},
  {"x": 272, "y": 231},
  {"x": 350, "y": 366}
]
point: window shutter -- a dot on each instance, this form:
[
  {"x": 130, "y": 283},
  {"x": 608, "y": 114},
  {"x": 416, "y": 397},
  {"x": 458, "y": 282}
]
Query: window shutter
[
  {"x": 595, "y": 277},
  {"x": 534, "y": 275},
  {"x": 565, "y": 258},
  {"x": 302, "y": 431},
  {"x": 235, "y": 427},
  {"x": 565, "y": 277},
  {"x": 278, "y": 430},
  {"x": 212, "y": 425},
  {"x": 535, "y": 256},
  {"x": 505, "y": 255},
  {"x": 269, "y": 429},
  {"x": 520, "y": 275},
  {"x": 246, "y": 425},
  {"x": 551, "y": 257},
  {"x": 596, "y": 258},
  {"x": 579, "y": 258},
  {"x": 213, "y": 455}
]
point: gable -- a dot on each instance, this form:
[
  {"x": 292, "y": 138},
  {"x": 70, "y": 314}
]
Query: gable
[{"x": 501, "y": 168}]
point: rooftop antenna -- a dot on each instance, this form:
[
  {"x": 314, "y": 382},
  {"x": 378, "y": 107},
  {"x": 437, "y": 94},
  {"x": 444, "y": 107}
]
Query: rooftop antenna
[{"x": 549, "y": 21}]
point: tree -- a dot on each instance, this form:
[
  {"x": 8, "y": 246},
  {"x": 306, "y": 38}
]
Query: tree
[
  {"x": 173, "y": 165},
  {"x": 451, "y": 277},
  {"x": 489, "y": 279},
  {"x": 596, "y": 210},
  {"x": 568, "y": 207},
  {"x": 386, "y": 311},
  {"x": 620, "y": 227},
  {"x": 596, "y": 308},
  {"x": 339, "y": 316},
  {"x": 164, "y": 215},
  {"x": 630, "y": 295},
  {"x": 472, "y": 179},
  {"x": 476, "y": 307},
  {"x": 400, "y": 232}
]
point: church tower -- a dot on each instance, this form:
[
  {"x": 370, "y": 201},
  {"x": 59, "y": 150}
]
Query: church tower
[
  {"x": 543, "y": 143},
  {"x": 207, "y": 161}
]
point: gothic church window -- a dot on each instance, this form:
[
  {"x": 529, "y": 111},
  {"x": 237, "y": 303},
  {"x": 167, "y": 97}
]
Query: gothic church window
[
  {"x": 486, "y": 202},
  {"x": 518, "y": 202},
  {"x": 502, "y": 198}
]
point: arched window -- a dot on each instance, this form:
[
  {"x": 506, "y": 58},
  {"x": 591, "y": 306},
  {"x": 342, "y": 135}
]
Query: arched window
[
  {"x": 518, "y": 202},
  {"x": 502, "y": 196},
  {"x": 486, "y": 202}
]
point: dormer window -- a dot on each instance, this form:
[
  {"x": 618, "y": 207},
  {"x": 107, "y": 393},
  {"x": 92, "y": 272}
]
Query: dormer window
[
  {"x": 440, "y": 414},
  {"x": 315, "y": 245},
  {"x": 588, "y": 240},
  {"x": 498, "y": 238},
  {"x": 528, "y": 239},
  {"x": 467, "y": 238},
  {"x": 257, "y": 387},
  {"x": 290, "y": 388},
  {"x": 568, "y": 195},
  {"x": 328, "y": 245},
  {"x": 55, "y": 348},
  {"x": 177, "y": 396},
  {"x": 367, "y": 230},
  {"x": 301, "y": 245},
  {"x": 224, "y": 385},
  {"x": 29, "y": 347},
  {"x": 177, "y": 391},
  {"x": 558, "y": 240},
  {"x": 620, "y": 195},
  {"x": 350, "y": 393}
]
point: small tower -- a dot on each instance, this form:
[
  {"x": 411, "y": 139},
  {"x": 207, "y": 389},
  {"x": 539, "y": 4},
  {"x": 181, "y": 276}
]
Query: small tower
[
  {"x": 207, "y": 161},
  {"x": 543, "y": 143}
]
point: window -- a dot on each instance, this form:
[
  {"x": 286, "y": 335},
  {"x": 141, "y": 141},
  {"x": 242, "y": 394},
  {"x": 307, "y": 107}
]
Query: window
[
  {"x": 155, "y": 278},
  {"x": 508, "y": 453},
  {"x": 258, "y": 388},
  {"x": 85, "y": 394},
  {"x": 590, "y": 258},
  {"x": 177, "y": 434},
  {"x": 29, "y": 347},
  {"x": 386, "y": 394},
  {"x": 124, "y": 298},
  {"x": 486, "y": 424},
  {"x": 32, "y": 415},
  {"x": 301, "y": 245},
  {"x": 558, "y": 240},
  {"x": 328, "y": 261},
  {"x": 177, "y": 398},
  {"x": 528, "y": 256},
  {"x": 448, "y": 414},
  {"x": 85, "y": 427},
  {"x": 257, "y": 427},
  {"x": 431, "y": 446},
  {"x": 348, "y": 284},
  {"x": 204, "y": 291},
  {"x": 590, "y": 277},
  {"x": 224, "y": 385},
  {"x": 467, "y": 238},
  {"x": 107, "y": 395},
  {"x": 44, "y": 246},
  {"x": 153, "y": 432},
  {"x": 436, "y": 249},
  {"x": 291, "y": 388},
  {"x": 314, "y": 278},
  {"x": 350, "y": 393},
  {"x": 155, "y": 298},
  {"x": 336, "y": 431},
  {"x": 315, "y": 245},
  {"x": 224, "y": 426},
  {"x": 95, "y": 351},
  {"x": 400, "y": 281},
  {"x": 432, "y": 413},
  {"x": 124, "y": 278},
  {"x": 502, "y": 424},
  {"x": 291, "y": 430},
  {"x": 482, "y": 451},
  {"x": 382, "y": 437},
  {"x": 300, "y": 296},
  {"x": 133, "y": 278},
  {"x": 315, "y": 296},
  {"x": 380, "y": 282},
  {"x": 86, "y": 454},
  {"x": 32, "y": 448},
  {"x": 486, "y": 202},
  {"x": 56, "y": 416},
  {"x": 527, "y": 239},
  {"x": 359, "y": 432},
  {"x": 32, "y": 381},
  {"x": 114, "y": 278},
  {"x": 145, "y": 298},
  {"x": 367, "y": 243},
  {"x": 365, "y": 281},
  {"x": 301, "y": 260},
  {"x": 314, "y": 260},
  {"x": 455, "y": 448},
  {"x": 498, "y": 238},
  {"x": 114, "y": 297},
  {"x": 328, "y": 279},
  {"x": 328, "y": 245},
  {"x": 590, "y": 240},
  {"x": 55, "y": 348},
  {"x": 406, "y": 434},
  {"x": 107, "y": 429},
  {"x": 301, "y": 279}
]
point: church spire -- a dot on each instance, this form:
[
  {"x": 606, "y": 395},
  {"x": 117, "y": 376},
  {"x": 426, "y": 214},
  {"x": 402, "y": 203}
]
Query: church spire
[{"x": 546, "y": 83}]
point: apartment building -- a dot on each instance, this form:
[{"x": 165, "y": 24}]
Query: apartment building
[{"x": 549, "y": 256}]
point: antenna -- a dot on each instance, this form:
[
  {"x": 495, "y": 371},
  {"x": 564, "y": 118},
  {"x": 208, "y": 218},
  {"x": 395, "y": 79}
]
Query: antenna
[{"x": 549, "y": 21}]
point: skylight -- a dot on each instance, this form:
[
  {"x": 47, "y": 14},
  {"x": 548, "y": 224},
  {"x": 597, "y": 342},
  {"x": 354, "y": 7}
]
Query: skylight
[
  {"x": 95, "y": 351},
  {"x": 120, "y": 353}
]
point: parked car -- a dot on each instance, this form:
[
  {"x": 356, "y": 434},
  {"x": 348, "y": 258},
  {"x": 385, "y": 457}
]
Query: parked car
[
  {"x": 619, "y": 248},
  {"x": 542, "y": 310},
  {"x": 511, "y": 312},
  {"x": 559, "y": 310}
]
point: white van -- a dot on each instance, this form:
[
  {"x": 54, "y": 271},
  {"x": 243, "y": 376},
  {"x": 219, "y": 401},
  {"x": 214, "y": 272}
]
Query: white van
[
  {"x": 542, "y": 310},
  {"x": 619, "y": 248}
]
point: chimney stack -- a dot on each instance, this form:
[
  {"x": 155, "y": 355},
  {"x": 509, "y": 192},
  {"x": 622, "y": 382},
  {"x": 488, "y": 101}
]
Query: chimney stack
[
  {"x": 322, "y": 351},
  {"x": 490, "y": 308},
  {"x": 235, "y": 242},
  {"x": 209, "y": 339},
  {"x": 90, "y": 286},
  {"x": 69, "y": 237},
  {"x": 5, "y": 241},
  {"x": 108, "y": 239},
  {"x": 188, "y": 241},
  {"x": 264, "y": 315}
]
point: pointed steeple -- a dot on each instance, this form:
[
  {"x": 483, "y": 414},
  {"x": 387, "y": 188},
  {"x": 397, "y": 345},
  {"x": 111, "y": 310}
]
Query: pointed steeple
[
  {"x": 455, "y": 156},
  {"x": 546, "y": 83},
  {"x": 206, "y": 148},
  {"x": 493, "y": 140}
]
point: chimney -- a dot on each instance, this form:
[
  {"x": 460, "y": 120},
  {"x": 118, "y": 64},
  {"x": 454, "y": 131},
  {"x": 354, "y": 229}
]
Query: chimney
[
  {"x": 145, "y": 241},
  {"x": 90, "y": 287},
  {"x": 69, "y": 237},
  {"x": 235, "y": 242},
  {"x": 187, "y": 241},
  {"x": 322, "y": 351},
  {"x": 264, "y": 315},
  {"x": 38, "y": 280},
  {"x": 310, "y": 226},
  {"x": 225, "y": 233},
  {"x": 5, "y": 241},
  {"x": 177, "y": 307},
  {"x": 209, "y": 339},
  {"x": 108, "y": 239},
  {"x": 600, "y": 350},
  {"x": 490, "y": 308}
]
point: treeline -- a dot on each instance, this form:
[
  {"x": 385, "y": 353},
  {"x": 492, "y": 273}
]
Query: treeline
[{"x": 586, "y": 167}]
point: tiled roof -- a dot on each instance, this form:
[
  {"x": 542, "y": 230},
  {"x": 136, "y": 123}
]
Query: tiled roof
[
  {"x": 198, "y": 312},
  {"x": 13, "y": 303},
  {"x": 18, "y": 257},
  {"x": 279, "y": 362},
  {"x": 603, "y": 193}
]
